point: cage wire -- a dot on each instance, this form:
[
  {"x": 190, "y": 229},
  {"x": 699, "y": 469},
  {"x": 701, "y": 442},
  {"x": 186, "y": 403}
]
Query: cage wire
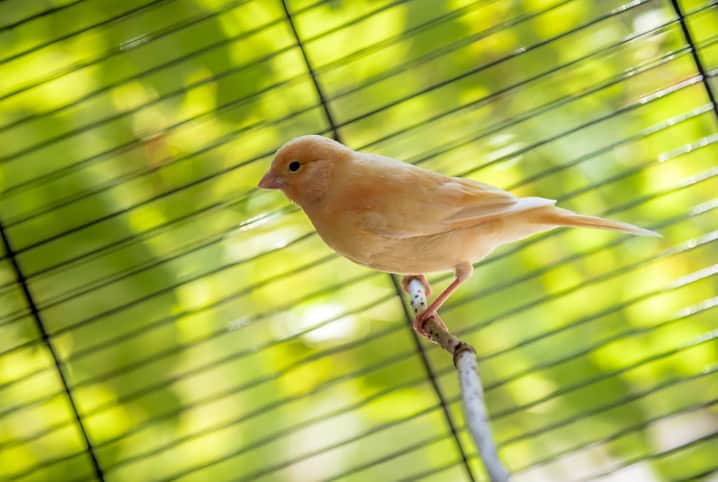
[{"x": 162, "y": 319}]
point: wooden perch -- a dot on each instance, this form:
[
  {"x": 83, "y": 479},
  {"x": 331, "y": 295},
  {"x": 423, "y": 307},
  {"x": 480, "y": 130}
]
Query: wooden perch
[{"x": 472, "y": 393}]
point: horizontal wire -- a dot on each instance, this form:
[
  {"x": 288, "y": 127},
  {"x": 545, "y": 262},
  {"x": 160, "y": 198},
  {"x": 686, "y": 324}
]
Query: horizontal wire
[
  {"x": 406, "y": 450},
  {"x": 385, "y": 458},
  {"x": 352, "y": 344},
  {"x": 614, "y": 436},
  {"x": 426, "y": 442},
  {"x": 252, "y": 414},
  {"x": 698, "y": 475},
  {"x": 298, "y": 426},
  {"x": 136, "y": 142},
  {"x": 271, "y": 469},
  {"x": 213, "y": 364},
  {"x": 123, "y": 275},
  {"x": 407, "y": 33},
  {"x": 117, "y": 181},
  {"x": 649, "y": 131},
  {"x": 613, "y": 13},
  {"x": 82, "y": 353},
  {"x": 40, "y": 14},
  {"x": 118, "y": 115},
  {"x": 678, "y": 380},
  {"x": 28, "y": 247},
  {"x": 301, "y": 111},
  {"x": 102, "y": 23},
  {"x": 16, "y": 315},
  {"x": 206, "y": 400},
  {"x": 433, "y": 471},
  {"x": 355, "y": 438},
  {"x": 79, "y": 292},
  {"x": 656, "y": 95},
  {"x": 173, "y": 255},
  {"x": 145, "y": 329},
  {"x": 536, "y": 239},
  {"x": 496, "y": 288},
  {"x": 271, "y": 406},
  {"x": 623, "y": 431},
  {"x": 495, "y": 417},
  {"x": 242, "y": 292},
  {"x": 212, "y": 335},
  {"x": 142, "y": 41},
  {"x": 551, "y": 105},
  {"x": 398, "y": 358},
  {"x": 77, "y": 258},
  {"x": 141, "y": 172},
  {"x": 653, "y": 456},
  {"x": 524, "y": 50}
]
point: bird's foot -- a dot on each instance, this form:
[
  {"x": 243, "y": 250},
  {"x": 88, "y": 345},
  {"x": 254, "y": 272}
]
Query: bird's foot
[
  {"x": 425, "y": 316},
  {"x": 420, "y": 278}
]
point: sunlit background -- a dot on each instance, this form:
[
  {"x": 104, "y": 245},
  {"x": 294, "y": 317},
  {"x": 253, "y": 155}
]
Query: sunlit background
[{"x": 202, "y": 332}]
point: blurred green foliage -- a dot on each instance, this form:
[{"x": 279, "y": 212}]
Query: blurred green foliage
[{"x": 208, "y": 334}]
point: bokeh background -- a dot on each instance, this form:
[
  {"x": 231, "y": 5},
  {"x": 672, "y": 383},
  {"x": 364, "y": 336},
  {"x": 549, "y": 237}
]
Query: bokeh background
[{"x": 187, "y": 326}]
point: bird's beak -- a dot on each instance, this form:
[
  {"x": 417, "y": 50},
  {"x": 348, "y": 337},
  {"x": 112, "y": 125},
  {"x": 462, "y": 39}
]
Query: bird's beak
[{"x": 270, "y": 181}]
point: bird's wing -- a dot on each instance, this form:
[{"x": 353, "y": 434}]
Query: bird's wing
[
  {"x": 482, "y": 202},
  {"x": 410, "y": 202}
]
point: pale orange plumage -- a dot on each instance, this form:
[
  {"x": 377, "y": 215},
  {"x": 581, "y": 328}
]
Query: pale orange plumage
[{"x": 396, "y": 217}]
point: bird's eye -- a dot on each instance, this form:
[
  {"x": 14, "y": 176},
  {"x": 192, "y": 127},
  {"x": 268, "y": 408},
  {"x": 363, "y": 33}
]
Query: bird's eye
[{"x": 294, "y": 166}]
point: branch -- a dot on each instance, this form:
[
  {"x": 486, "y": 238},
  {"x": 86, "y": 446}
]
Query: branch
[{"x": 471, "y": 392}]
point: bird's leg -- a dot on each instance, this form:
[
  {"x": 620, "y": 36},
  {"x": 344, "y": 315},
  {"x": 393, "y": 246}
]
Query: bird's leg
[
  {"x": 418, "y": 277},
  {"x": 463, "y": 272}
]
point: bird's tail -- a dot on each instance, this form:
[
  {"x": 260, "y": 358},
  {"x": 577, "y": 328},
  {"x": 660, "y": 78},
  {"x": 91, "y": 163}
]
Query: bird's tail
[{"x": 563, "y": 217}]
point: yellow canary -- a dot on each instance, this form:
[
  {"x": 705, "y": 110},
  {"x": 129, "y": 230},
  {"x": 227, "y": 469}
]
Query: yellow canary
[{"x": 399, "y": 218}]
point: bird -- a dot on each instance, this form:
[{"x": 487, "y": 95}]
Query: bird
[{"x": 399, "y": 218}]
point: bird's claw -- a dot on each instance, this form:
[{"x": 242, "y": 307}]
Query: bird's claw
[
  {"x": 425, "y": 316},
  {"x": 420, "y": 278}
]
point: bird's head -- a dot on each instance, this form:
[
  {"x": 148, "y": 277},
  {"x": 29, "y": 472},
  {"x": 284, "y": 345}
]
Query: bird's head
[{"x": 303, "y": 167}]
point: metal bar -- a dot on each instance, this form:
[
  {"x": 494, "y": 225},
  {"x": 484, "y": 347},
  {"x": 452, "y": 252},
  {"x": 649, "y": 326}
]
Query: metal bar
[
  {"x": 696, "y": 55},
  {"x": 40, "y": 14},
  {"x": 493, "y": 386},
  {"x": 53, "y": 353},
  {"x": 226, "y": 105},
  {"x": 229, "y": 104},
  {"x": 271, "y": 406},
  {"x": 125, "y": 47},
  {"x": 618, "y": 434},
  {"x": 614, "y": 436},
  {"x": 649, "y": 131},
  {"x": 653, "y": 456},
  {"x": 105, "y": 120},
  {"x": 429, "y": 371},
  {"x": 493, "y": 96},
  {"x": 317, "y": 87},
  {"x": 122, "y": 16},
  {"x": 668, "y": 91},
  {"x": 425, "y": 361},
  {"x": 493, "y": 289},
  {"x": 615, "y": 404}
]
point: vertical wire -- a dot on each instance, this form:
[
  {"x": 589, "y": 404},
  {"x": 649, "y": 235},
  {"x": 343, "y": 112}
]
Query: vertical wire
[
  {"x": 22, "y": 281},
  {"x": 434, "y": 383},
  {"x": 320, "y": 92},
  {"x": 419, "y": 348},
  {"x": 696, "y": 57}
]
